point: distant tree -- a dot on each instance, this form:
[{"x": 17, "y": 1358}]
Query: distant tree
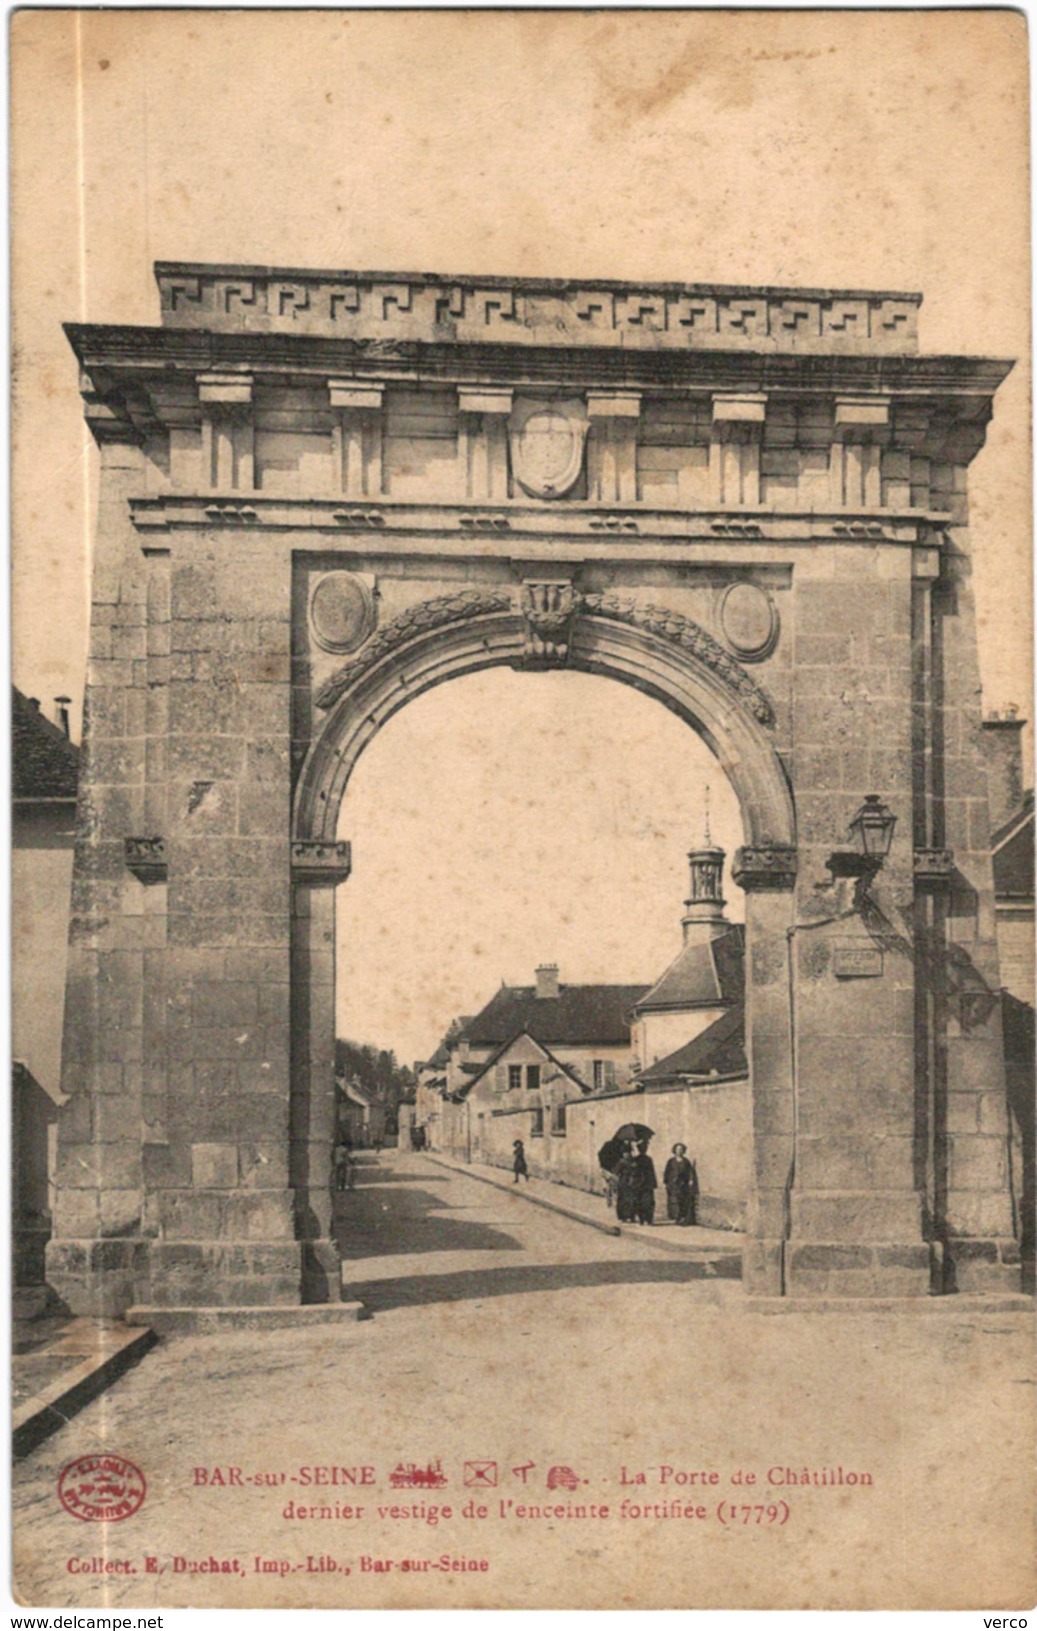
[{"x": 378, "y": 1073}]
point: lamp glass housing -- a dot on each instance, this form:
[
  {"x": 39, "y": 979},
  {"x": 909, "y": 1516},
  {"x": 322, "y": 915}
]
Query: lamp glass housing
[{"x": 872, "y": 828}]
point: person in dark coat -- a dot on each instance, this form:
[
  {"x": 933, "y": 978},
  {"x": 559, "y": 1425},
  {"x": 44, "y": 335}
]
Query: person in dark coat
[
  {"x": 645, "y": 1185},
  {"x": 626, "y": 1184},
  {"x": 518, "y": 1161},
  {"x": 682, "y": 1187}
]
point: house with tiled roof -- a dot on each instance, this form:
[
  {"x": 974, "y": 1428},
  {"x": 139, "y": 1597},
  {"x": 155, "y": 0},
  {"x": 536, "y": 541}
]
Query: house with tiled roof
[
  {"x": 433, "y": 1086},
  {"x": 562, "y": 1067},
  {"x": 532, "y": 1047},
  {"x": 44, "y": 783},
  {"x": 523, "y": 1079},
  {"x": 567, "y": 1016},
  {"x": 44, "y": 762},
  {"x": 359, "y": 1111}
]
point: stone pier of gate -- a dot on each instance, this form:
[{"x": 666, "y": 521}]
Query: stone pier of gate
[{"x": 322, "y": 493}]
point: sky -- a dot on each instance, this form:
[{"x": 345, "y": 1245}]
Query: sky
[
  {"x": 570, "y": 802},
  {"x": 868, "y": 149}
]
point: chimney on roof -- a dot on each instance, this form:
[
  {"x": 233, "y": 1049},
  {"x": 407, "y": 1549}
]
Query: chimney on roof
[
  {"x": 63, "y": 704},
  {"x": 547, "y": 980},
  {"x": 34, "y": 702},
  {"x": 1003, "y": 748}
]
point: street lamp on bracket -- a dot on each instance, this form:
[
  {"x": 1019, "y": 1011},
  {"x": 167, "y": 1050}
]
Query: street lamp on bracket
[{"x": 872, "y": 832}]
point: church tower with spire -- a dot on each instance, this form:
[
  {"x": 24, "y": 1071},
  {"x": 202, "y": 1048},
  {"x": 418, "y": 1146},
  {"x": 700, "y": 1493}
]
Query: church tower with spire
[
  {"x": 704, "y": 908},
  {"x": 707, "y": 977}
]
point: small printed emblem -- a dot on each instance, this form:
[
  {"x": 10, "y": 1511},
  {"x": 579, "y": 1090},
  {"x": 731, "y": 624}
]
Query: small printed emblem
[
  {"x": 102, "y": 1488},
  {"x": 412, "y": 1476},
  {"x": 562, "y": 1478},
  {"x": 480, "y": 1474}
]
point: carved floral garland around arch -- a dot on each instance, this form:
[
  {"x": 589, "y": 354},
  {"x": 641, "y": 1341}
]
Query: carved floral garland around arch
[
  {"x": 690, "y": 636},
  {"x": 427, "y": 614},
  {"x": 443, "y": 610}
]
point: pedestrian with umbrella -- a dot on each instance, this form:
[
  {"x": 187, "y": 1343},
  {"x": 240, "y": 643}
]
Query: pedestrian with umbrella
[
  {"x": 633, "y": 1180},
  {"x": 632, "y": 1132},
  {"x": 609, "y": 1157},
  {"x": 625, "y": 1175}
]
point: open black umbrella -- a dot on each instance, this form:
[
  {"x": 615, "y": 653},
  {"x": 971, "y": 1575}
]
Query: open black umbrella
[{"x": 632, "y": 1132}]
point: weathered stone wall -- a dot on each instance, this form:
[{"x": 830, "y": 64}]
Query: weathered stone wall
[
  {"x": 227, "y": 969},
  {"x": 973, "y": 1200},
  {"x": 713, "y": 1121},
  {"x": 758, "y": 518},
  {"x": 854, "y": 1196},
  {"x": 98, "y": 1258},
  {"x": 41, "y": 887}
]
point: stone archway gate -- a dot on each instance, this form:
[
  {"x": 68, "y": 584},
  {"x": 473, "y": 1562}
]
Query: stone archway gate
[{"x": 322, "y": 493}]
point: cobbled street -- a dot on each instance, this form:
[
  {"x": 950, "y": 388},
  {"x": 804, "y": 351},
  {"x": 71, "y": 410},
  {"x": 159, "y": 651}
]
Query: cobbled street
[{"x": 519, "y": 1341}]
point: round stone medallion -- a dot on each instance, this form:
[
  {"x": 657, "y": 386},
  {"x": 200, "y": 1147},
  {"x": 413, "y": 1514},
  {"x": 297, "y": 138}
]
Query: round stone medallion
[
  {"x": 749, "y": 621},
  {"x": 341, "y": 611}
]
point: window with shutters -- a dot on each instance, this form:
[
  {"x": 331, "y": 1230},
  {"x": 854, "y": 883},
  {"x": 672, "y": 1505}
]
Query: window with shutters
[
  {"x": 604, "y": 1075},
  {"x": 558, "y": 1120},
  {"x": 537, "y": 1127},
  {"x": 514, "y": 1077},
  {"x": 533, "y": 1079}
]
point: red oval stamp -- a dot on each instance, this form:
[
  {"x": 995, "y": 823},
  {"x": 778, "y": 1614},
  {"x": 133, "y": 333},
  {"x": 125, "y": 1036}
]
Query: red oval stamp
[{"x": 102, "y": 1488}]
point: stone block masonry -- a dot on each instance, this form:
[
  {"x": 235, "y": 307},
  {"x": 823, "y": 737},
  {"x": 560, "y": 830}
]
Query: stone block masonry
[{"x": 751, "y": 504}]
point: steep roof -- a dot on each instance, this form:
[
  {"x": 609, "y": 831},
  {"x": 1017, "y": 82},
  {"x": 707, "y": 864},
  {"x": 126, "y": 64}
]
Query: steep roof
[
  {"x": 495, "y": 1058},
  {"x": 357, "y": 1092},
  {"x": 44, "y": 763},
  {"x": 579, "y": 1014},
  {"x": 441, "y": 1056},
  {"x": 1013, "y": 846},
  {"x": 704, "y": 974},
  {"x": 718, "y": 1050}
]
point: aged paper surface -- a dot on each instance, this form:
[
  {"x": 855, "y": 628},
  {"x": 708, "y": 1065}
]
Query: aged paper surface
[{"x": 308, "y": 474}]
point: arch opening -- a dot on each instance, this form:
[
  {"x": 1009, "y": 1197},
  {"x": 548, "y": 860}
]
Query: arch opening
[
  {"x": 743, "y": 746},
  {"x": 696, "y": 691},
  {"x": 509, "y": 820}
]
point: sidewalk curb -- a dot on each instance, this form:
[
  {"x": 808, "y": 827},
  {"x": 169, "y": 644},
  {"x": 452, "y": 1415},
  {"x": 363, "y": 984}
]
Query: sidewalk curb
[
  {"x": 46, "y": 1412},
  {"x": 692, "y": 1254},
  {"x": 534, "y": 1200},
  {"x": 207, "y": 1321},
  {"x": 957, "y": 1303}
]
